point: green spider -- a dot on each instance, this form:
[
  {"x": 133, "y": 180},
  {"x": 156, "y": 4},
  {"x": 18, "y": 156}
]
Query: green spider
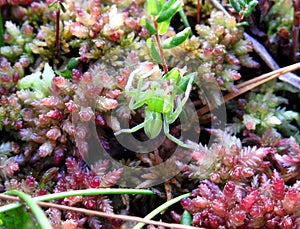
[{"x": 161, "y": 98}]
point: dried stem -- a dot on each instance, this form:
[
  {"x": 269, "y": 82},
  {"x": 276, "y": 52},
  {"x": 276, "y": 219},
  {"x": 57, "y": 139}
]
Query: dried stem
[
  {"x": 57, "y": 34},
  {"x": 161, "y": 53},
  {"x": 198, "y": 11},
  {"x": 1, "y": 29},
  {"x": 250, "y": 84},
  {"x": 295, "y": 30},
  {"x": 102, "y": 214}
]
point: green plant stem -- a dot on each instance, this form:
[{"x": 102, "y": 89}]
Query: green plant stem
[
  {"x": 1, "y": 29},
  {"x": 36, "y": 209},
  {"x": 86, "y": 192},
  {"x": 160, "y": 209}
]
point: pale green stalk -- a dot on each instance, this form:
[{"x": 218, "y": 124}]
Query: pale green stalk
[
  {"x": 161, "y": 208},
  {"x": 86, "y": 192}
]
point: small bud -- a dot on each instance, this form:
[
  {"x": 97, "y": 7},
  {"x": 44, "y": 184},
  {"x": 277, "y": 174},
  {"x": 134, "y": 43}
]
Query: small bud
[
  {"x": 86, "y": 113},
  {"x": 29, "y": 184},
  {"x": 230, "y": 22},
  {"x": 78, "y": 30},
  {"x": 291, "y": 201},
  {"x": 200, "y": 202},
  {"x": 99, "y": 120},
  {"x": 113, "y": 93},
  {"x": 54, "y": 133},
  {"x": 71, "y": 106},
  {"x": 76, "y": 75},
  {"x": 52, "y": 102},
  {"x": 106, "y": 104},
  {"x": 273, "y": 121},
  {"x": 55, "y": 114},
  {"x": 121, "y": 81},
  {"x": 46, "y": 149},
  {"x": 219, "y": 50}
]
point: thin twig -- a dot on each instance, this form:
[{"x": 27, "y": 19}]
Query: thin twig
[
  {"x": 250, "y": 84},
  {"x": 103, "y": 214},
  {"x": 1, "y": 29},
  {"x": 161, "y": 52},
  {"x": 198, "y": 11},
  {"x": 290, "y": 78},
  {"x": 295, "y": 29},
  {"x": 57, "y": 34}
]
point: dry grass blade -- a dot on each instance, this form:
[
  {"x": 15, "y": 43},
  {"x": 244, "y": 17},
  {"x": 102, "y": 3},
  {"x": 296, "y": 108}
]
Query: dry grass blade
[
  {"x": 102, "y": 214},
  {"x": 250, "y": 84}
]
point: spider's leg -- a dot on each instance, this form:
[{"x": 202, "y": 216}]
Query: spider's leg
[
  {"x": 172, "y": 138},
  {"x": 130, "y": 79},
  {"x": 173, "y": 116},
  {"x": 136, "y": 100},
  {"x": 133, "y": 129}
]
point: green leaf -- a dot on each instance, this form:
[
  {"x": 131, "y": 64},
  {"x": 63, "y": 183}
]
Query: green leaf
[
  {"x": 241, "y": 24},
  {"x": 242, "y": 3},
  {"x": 17, "y": 218},
  {"x": 153, "y": 51},
  {"x": 184, "y": 18},
  {"x": 149, "y": 26},
  {"x": 235, "y": 6},
  {"x": 186, "y": 218},
  {"x": 65, "y": 73},
  {"x": 73, "y": 62},
  {"x": 5, "y": 148},
  {"x": 176, "y": 40},
  {"x": 173, "y": 74},
  {"x": 27, "y": 81},
  {"x": 183, "y": 83},
  {"x": 163, "y": 27},
  {"x": 47, "y": 77},
  {"x": 143, "y": 21},
  {"x": 250, "y": 8},
  {"x": 168, "y": 12},
  {"x": 62, "y": 7},
  {"x": 154, "y": 6},
  {"x": 253, "y": 3},
  {"x": 53, "y": 4},
  {"x": 12, "y": 29},
  {"x": 38, "y": 82}
]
